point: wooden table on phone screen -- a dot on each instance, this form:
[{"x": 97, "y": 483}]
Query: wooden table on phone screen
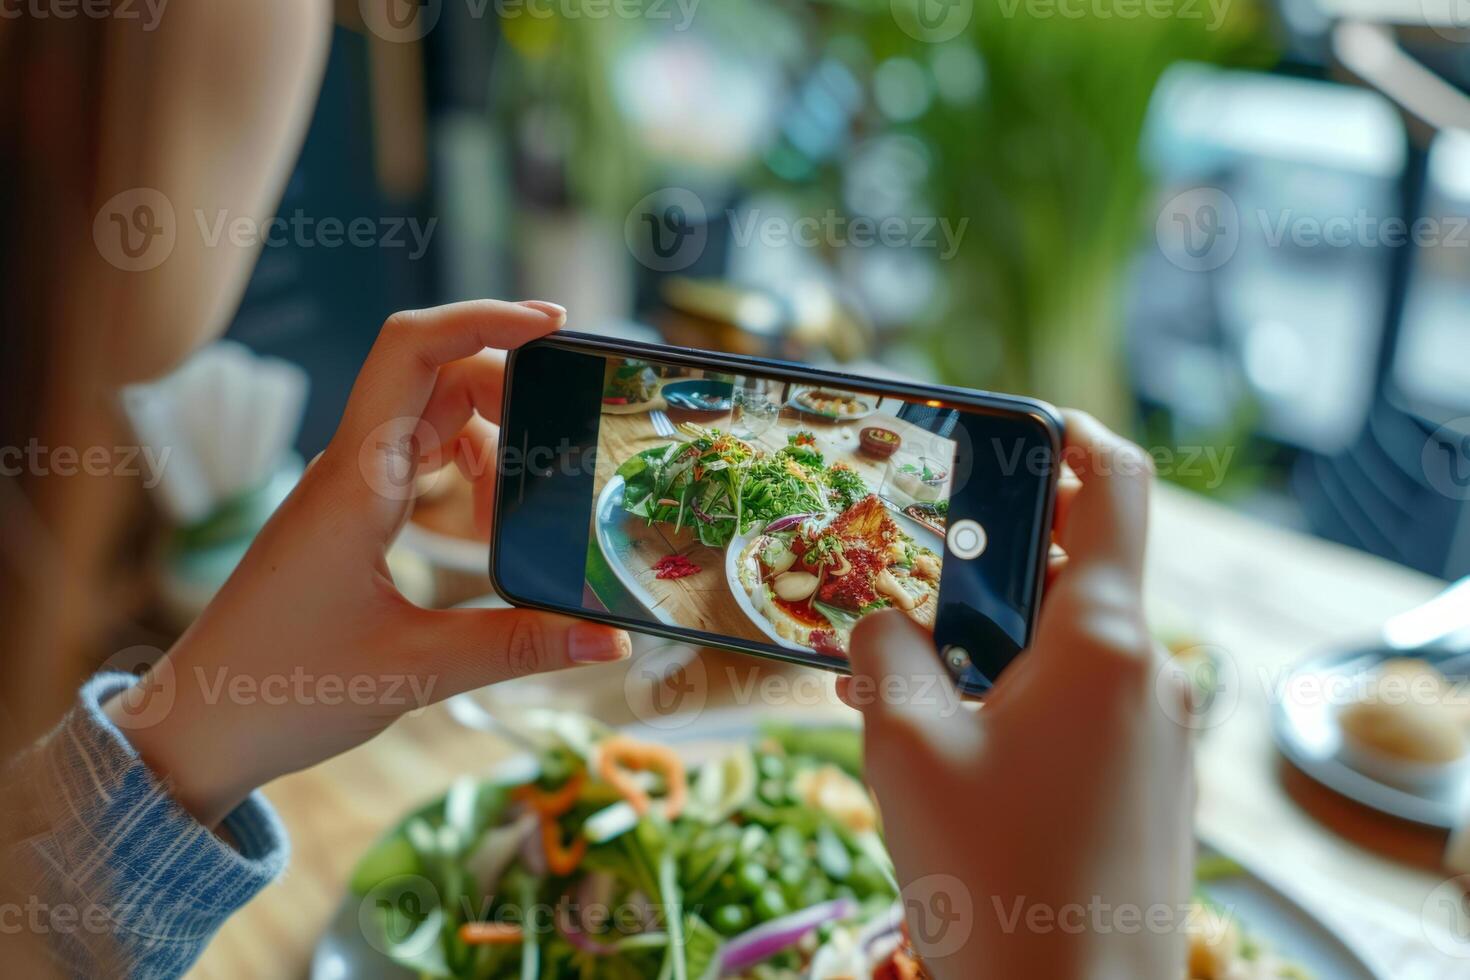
[{"x": 1266, "y": 595}]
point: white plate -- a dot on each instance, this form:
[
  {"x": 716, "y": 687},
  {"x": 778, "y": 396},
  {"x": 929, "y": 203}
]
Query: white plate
[
  {"x": 1308, "y": 735},
  {"x": 1266, "y": 912},
  {"x": 921, "y": 535},
  {"x": 1264, "y": 909},
  {"x": 794, "y": 402},
  {"x": 609, "y": 530}
]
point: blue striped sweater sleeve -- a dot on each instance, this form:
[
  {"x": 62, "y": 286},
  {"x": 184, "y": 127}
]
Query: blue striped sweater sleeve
[{"x": 118, "y": 879}]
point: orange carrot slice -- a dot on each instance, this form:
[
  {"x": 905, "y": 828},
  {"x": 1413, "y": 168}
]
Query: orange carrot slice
[
  {"x": 555, "y": 803},
  {"x": 619, "y": 757},
  {"x": 490, "y": 933},
  {"x": 561, "y": 859}
]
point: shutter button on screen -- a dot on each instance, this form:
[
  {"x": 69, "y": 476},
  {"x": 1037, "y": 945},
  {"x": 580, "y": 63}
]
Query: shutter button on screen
[{"x": 967, "y": 539}]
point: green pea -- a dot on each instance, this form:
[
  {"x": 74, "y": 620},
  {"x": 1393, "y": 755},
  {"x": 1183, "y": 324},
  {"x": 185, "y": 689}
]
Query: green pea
[
  {"x": 752, "y": 877},
  {"x": 832, "y": 855},
  {"x": 866, "y": 876},
  {"x": 732, "y": 919},
  {"x": 771, "y": 904},
  {"x": 815, "y": 891},
  {"x": 790, "y": 843}
]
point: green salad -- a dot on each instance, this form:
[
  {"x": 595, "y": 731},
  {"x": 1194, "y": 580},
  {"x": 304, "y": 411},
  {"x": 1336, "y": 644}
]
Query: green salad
[
  {"x": 629, "y": 383},
  {"x": 603, "y": 857},
  {"x": 613, "y": 859},
  {"x": 720, "y": 486}
]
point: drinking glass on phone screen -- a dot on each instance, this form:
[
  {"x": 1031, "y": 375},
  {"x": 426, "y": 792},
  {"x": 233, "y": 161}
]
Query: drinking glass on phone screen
[{"x": 755, "y": 408}]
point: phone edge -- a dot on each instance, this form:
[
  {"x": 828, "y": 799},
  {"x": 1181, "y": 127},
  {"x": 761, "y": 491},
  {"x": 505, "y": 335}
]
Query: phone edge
[{"x": 1044, "y": 412}]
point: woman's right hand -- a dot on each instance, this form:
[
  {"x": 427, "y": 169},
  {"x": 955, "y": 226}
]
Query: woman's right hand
[
  {"x": 310, "y": 649},
  {"x": 1050, "y": 833}
]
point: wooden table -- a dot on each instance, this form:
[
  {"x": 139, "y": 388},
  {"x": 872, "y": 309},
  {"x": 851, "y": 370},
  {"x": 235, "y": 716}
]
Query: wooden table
[
  {"x": 703, "y": 600},
  {"x": 1266, "y": 596}
]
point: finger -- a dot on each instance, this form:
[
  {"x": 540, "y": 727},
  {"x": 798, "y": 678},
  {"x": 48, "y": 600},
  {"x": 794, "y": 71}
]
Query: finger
[
  {"x": 1107, "y": 518},
  {"x": 1068, "y": 487},
  {"x": 844, "y": 691},
  {"x": 907, "y": 698},
  {"x": 470, "y": 386},
  {"x": 474, "y": 454},
  {"x": 1056, "y": 563},
  {"x": 404, "y": 364},
  {"x": 462, "y": 649}
]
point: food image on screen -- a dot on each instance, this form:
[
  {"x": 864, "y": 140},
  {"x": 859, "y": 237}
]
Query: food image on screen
[
  {"x": 762, "y": 521},
  {"x": 629, "y": 383},
  {"x": 812, "y": 577},
  {"x": 833, "y": 404}
]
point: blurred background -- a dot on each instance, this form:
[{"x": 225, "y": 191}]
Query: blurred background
[
  {"x": 1236, "y": 230},
  {"x": 1182, "y": 220}
]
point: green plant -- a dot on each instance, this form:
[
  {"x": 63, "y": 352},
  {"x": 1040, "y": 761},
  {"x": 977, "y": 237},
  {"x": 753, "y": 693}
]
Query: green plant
[
  {"x": 1045, "y": 164},
  {"x": 1041, "y": 161}
]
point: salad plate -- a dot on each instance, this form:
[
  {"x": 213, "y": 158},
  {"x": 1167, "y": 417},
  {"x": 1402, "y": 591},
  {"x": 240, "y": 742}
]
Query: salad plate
[
  {"x": 630, "y": 387},
  {"x": 1251, "y": 929},
  {"x": 760, "y": 612},
  {"x": 834, "y": 406},
  {"x": 613, "y": 542}
]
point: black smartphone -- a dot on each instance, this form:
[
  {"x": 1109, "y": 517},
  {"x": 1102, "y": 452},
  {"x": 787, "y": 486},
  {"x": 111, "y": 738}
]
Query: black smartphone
[{"x": 766, "y": 507}]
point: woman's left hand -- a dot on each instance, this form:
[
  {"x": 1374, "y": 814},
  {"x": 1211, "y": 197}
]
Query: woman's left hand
[{"x": 309, "y": 649}]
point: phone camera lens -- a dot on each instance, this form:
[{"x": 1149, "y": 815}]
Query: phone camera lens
[{"x": 958, "y": 658}]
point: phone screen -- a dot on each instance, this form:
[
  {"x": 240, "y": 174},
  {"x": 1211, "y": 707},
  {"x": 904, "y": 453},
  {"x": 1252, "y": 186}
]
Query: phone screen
[{"x": 742, "y": 505}]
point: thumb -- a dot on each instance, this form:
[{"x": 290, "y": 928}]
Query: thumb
[
  {"x": 463, "y": 649},
  {"x": 906, "y": 697}
]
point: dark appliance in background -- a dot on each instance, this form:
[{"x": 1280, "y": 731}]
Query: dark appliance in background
[
  {"x": 1402, "y": 489},
  {"x": 1343, "y": 366}
]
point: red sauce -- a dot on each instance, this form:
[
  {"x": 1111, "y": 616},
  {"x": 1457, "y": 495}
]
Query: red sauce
[
  {"x": 802, "y": 611},
  {"x": 674, "y": 566},
  {"x": 856, "y": 589}
]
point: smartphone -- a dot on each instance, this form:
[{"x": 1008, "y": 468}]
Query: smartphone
[{"x": 766, "y": 507}]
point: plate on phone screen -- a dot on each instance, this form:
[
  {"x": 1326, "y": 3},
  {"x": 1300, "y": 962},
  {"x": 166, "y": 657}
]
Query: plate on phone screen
[
  {"x": 699, "y": 395},
  {"x": 828, "y": 403},
  {"x": 627, "y": 548}
]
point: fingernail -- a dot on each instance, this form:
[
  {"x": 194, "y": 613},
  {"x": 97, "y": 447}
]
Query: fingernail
[
  {"x": 541, "y": 306},
  {"x": 588, "y": 643}
]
